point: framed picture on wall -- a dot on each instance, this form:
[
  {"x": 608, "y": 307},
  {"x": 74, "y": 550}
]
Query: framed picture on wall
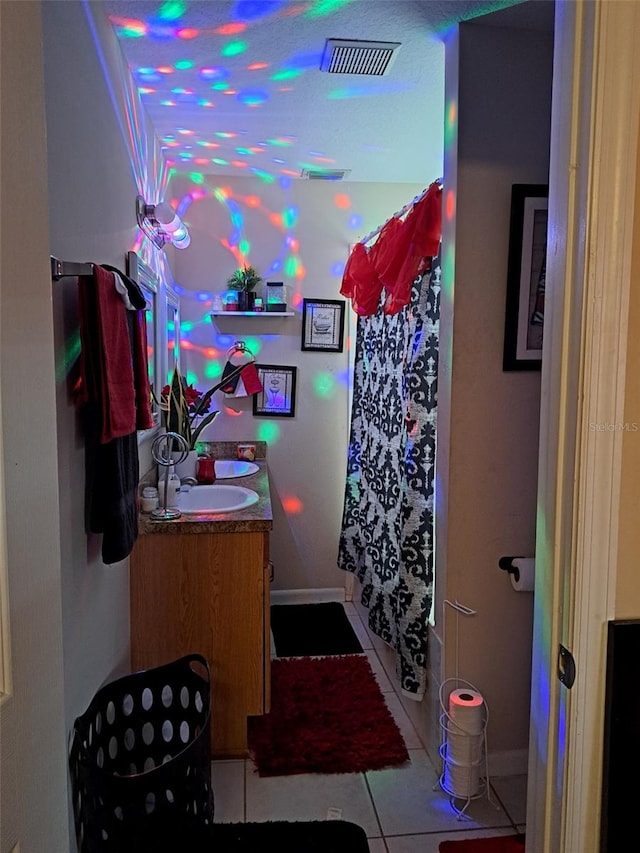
[
  {"x": 323, "y": 325},
  {"x": 526, "y": 274},
  {"x": 278, "y": 396}
]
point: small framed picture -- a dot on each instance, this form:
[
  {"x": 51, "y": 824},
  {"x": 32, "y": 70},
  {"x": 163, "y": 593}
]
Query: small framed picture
[
  {"x": 526, "y": 274},
  {"x": 323, "y": 324},
  {"x": 278, "y": 396}
]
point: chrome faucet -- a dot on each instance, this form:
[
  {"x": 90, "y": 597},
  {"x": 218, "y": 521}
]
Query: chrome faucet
[{"x": 188, "y": 481}]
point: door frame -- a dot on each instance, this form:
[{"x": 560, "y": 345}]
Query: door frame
[{"x": 591, "y": 216}]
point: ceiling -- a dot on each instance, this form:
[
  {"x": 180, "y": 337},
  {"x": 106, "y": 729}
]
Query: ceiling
[{"x": 235, "y": 88}]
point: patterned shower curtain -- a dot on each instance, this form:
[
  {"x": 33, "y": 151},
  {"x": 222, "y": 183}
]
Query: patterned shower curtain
[{"x": 387, "y": 537}]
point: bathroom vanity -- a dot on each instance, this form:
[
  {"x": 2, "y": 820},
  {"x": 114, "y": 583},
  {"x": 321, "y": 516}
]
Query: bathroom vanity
[{"x": 202, "y": 585}]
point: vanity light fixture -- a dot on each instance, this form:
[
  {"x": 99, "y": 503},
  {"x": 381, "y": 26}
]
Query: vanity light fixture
[{"x": 161, "y": 224}]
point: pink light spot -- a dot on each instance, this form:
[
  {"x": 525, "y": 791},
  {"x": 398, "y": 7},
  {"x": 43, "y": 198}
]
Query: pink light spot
[{"x": 292, "y": 505}]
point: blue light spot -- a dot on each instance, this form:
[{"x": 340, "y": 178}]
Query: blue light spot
[
  {"x": 161, "y": 31},
  {"x": 304, "y": 60},
  {"x": 252, "y": 97},
  {"x": 203, "y": 296},
  {"x": 285, "y": 182},
  {"x": 337, "y": 269},
  {"x": 214, "y": 73},
  {"x": 252, "y": 10},
  {"x": 355, "y": 221}
]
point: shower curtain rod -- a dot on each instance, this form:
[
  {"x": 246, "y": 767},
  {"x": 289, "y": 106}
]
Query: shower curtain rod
[
  {"x": 397, "y": 214},
  {"x": 62, "y": 269}
]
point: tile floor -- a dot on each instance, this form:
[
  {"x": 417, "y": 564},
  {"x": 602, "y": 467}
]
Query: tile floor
[{"x": 402, "y": 809}]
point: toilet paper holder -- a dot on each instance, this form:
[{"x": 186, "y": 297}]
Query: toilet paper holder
[{"x": 506, "y": 564}]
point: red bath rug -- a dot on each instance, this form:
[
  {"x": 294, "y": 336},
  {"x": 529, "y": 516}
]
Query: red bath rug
[
  {"x": 499, "y": 844},
  {"x": 327, "y": 716}
]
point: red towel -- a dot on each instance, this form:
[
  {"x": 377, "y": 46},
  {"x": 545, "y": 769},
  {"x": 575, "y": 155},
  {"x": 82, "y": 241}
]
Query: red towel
[
  {"x": 107, "y": 358},
  {"x": 251, "y": 379}
]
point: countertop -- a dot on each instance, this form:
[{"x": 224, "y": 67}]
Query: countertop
[{"x": 253, "y": 519}]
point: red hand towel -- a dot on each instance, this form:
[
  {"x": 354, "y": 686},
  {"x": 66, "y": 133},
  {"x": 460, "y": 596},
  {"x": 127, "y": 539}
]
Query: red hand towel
[
  {"x": 251, "y": 379},
  {"x": 106, "y": 362}
]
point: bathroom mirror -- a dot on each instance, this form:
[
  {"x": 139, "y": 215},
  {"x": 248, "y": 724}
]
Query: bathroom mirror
[{"x": 149, "y": 283}]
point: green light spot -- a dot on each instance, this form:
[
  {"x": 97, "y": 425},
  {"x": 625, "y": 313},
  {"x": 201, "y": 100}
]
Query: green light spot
[
  {"x": 213, "y": 371},
  {"x": 220, "y": 87},
  {"x": 69, "y": 357},
  {"x": 131, "y": 32},
  {"x": 264, "y": 176},
  {"x": 172, "y": 10},
  {"x": 287, "y": 74},
  {"x": 269, "y": 433},
  {"x": 325, "y": 7},
  {"x": 183, "y": 64},
  {"x": 244, "y": 151},
  {"x": 186, "y": 326},
  {"x": 244, "y": 247},
  {"x": 234, "y": 48},
  {"x": 219, "y": 195},
  {"x": 291, "y": 267},
  {"x": 253, "y": 344},
  {"x": 324, "y": 385},
  {"x": 197, "y": 177},
  {"x": 280, "y": 143},
  {"x": 289, "y": 218}
]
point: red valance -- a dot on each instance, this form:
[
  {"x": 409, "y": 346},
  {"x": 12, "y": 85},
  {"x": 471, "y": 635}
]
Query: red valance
[{"x": 398, "y": 256}]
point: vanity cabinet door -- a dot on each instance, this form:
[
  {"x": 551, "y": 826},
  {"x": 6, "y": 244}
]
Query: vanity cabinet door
[{"x": 206, "y": 593}]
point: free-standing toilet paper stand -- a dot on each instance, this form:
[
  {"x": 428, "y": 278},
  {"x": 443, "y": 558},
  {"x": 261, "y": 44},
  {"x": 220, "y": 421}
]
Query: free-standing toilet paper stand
[{"x": 465, "y": 765}]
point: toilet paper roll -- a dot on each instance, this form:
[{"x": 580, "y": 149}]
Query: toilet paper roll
[
  {"x": 464, "y": 750},
  {"x": 462, "y": 782},
  {"x": 466, "y": 711},
  {"x": 524, "y": 576}
]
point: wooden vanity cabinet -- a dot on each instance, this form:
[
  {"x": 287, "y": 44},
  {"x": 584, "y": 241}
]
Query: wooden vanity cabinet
[{"x": 207, "y": 593}]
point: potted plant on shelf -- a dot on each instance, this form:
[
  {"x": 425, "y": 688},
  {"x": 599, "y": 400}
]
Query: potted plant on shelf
[{"x": 244, "y": 280}]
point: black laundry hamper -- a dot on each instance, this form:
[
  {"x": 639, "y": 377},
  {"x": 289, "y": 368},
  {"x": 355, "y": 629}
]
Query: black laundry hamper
[{"x": 140, "y": 762}]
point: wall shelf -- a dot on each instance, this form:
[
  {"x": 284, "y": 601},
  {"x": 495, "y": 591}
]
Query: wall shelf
[{"x": 252, "y": 313}]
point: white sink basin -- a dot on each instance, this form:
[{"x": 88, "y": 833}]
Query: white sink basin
[
  {"x": 226, "y": 468},
  {"x": 201, "y": 499}
]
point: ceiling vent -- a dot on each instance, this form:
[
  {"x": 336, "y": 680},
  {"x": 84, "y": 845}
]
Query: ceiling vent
[
  {"x": 325, "y": 174},
  {"x": 352, "y": 56}
]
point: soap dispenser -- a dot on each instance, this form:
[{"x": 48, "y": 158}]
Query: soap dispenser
[{"x": 172, "y": 487}]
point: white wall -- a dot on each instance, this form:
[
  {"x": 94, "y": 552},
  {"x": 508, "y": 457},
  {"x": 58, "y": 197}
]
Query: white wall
[
  {"x": 307, "y": 453},
  {"x": 32, "y": 733},
  {"x": 96, "y": 170},
  {"x": 499, "y": 82}
]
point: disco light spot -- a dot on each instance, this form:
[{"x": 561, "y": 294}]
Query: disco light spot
[
  {"x": 172, "y": 10},
  {"x": 234, "y": 48},
  {"x": 253, "y": 97}
]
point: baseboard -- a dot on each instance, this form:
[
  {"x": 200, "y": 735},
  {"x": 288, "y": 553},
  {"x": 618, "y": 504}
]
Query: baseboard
[
  {"x": 307, "y": 596},
  {"x": 509, "y": 762}
]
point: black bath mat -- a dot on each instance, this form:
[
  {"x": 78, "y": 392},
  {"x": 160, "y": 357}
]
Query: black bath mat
[
  {"x": 326, "y": 836},
  {"x": 312, "y": 630}
]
